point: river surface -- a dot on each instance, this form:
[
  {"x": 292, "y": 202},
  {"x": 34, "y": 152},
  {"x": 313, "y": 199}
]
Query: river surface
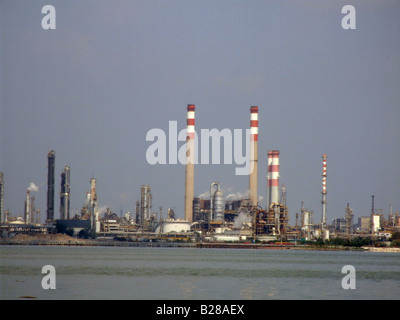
[{"x": 192, "y": 273}]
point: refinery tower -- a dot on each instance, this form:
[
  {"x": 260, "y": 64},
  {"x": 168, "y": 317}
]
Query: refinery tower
[{"x": 50, "y": 185}]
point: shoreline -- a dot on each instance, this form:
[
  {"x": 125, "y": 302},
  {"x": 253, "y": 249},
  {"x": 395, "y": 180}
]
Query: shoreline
[{"x": 203, "y": 245}]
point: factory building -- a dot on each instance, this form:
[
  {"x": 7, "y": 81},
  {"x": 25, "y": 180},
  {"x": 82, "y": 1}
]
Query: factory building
[
  {"x": 212, "y": 214},
  {"x": 364, "y": 224},
  {"x": 74, "y": 225},
  {"x": 173, "y": 226},
  {"x": 214, "y": 218}
]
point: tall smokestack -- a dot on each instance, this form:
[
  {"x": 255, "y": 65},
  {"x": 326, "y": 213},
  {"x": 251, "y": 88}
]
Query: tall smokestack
[
  {"x": 323, "y": 201},
  {"x": 28, "y": 207},
  {"x": 65, "y": 194},
  {"x": 273, "y": 178},
  {"x": 50, "y": 185},
  {"x": 189, "y": 184},
  {"x": 253, "y": 178},
  {"x": 93, "y": 195},
  {"x": 2, "y": 217},
  {"x": 93, "y": 205}
]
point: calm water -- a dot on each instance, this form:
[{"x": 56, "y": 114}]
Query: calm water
[{"x": 189, "y": 273}]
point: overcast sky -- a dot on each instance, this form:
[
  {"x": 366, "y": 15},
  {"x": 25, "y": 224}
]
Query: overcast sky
[{"x": 112, "y": 70}]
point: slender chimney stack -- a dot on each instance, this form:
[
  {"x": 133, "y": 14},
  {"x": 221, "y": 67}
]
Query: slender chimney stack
[
  {"x": 273, "y": 178},
  {"x": 93, "y": 195},
  {"x": 50, "y": 185},
  {"x": 253, "y": 177},
  {"x": 2, "y": 217},
  {"x": 189, "y": 185},
  {"x": 28, "y": 207},
  {"x": 93, "y": 205},
  {"x": 65, "y": 193},
  {"x": 323, "y": 201}
]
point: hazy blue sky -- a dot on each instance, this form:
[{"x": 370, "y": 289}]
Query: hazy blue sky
[{"x": 112, "y": 70}]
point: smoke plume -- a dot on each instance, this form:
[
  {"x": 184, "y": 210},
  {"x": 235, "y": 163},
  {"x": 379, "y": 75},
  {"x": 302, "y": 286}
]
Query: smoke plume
[
  {"x": 33, "y": 187},
  {"x": 242, "y": 218}
]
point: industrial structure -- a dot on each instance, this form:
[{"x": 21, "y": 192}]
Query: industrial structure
[
  {"x": 94, "y": 213},
  {"x": 214, "y": 219},
  {"x": 253, "y": 176},
  {"x": 307, "y": 224},
  {"x": 2, "y": 215},
  {"x": 323, "y": 201},
  {"x": 273, "y": 178},
  {"x": 145, "y": 205},
  {"x": 270, "y": 223},
  {"x": 27, "y": 217},
  {"x": 189, "y": 174},
  {"x": 216, "y": 203},
  {"x": 274, "y": 219},
  {"x": 50, "y": 185},
  {"x": 65, "y": 194},
  {"x": 349, "y": 220}
]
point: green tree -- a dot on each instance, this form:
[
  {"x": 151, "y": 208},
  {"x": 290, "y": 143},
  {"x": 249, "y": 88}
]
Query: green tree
[{"x": 396, "y": 236}]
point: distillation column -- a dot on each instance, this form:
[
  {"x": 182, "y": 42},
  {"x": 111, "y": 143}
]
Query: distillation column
[{"x": 65, "y": 194}]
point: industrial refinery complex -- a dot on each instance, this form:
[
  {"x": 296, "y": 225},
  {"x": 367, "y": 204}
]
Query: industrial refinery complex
[{"x": 207, "y": 220}]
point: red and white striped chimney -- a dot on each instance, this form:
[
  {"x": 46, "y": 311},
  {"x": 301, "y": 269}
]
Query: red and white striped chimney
[
  {"x": 324, "y": 173},
  {"x": 323, "y": 201},
  {"x": 273, "y": 178},
  {"x": 189, "y": 185},
  {"x": 253, "y": 178}
]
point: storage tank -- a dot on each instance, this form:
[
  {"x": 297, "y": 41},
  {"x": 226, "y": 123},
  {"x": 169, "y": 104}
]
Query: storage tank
[{"x": 173, "y": 226}]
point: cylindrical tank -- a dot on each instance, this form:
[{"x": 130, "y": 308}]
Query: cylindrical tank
[
  {"x": 217, "y": 203},
  {"x": 173, "y": 226},
  {"x": 307, "y": 218}
]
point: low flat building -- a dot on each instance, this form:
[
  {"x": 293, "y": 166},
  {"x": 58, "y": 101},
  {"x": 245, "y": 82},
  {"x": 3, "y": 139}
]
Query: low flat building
[
  {"x": 75, "y": 225},
  {"x": 10, "y": 229}
]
